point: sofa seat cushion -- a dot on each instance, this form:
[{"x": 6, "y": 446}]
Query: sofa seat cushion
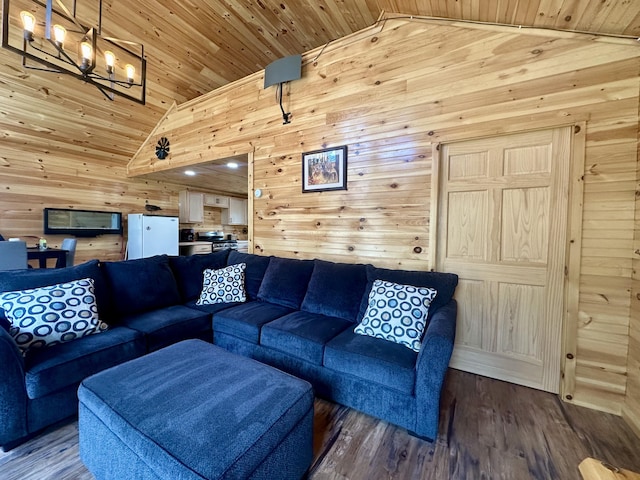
[
  {"x": 51, "y": 369},
  {"x": 372, "y": 359},
  {"x": 169, "y": 325},
  {"x": 335, "y": 289},
  {"x": 142, "y": 285},
  {"x": 246, "y": 320},
  {"x": 189, "y": 269},
  {"x": 254, "y": 271},
  {"x": 211, "y": 308},
  {"x": 285, "y": 281},
  {"x": 302, "y": 334}
]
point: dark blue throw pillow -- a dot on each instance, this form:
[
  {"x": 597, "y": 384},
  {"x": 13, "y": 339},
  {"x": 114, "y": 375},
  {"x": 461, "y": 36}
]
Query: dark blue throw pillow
[
  {"x": 41, "y": 277},
  {"x": 141, "y": 285},
  {"x": 254, "y": 271},
  {"x": 444, "y": 283},
  {"x": 188, "y": 271},
  {"x": 335, "y": 289},
  {"x": 285, "y": 281}
]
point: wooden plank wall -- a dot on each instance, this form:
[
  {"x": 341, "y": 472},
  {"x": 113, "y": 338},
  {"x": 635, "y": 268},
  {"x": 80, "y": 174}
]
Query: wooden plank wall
[
  {"x": 631, "y": 409},
  {"x": 389, "y": 94}
]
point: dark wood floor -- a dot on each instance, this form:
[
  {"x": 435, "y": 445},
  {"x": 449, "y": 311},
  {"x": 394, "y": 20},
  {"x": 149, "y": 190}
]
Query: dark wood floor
[{"x": 489, "y": 429}]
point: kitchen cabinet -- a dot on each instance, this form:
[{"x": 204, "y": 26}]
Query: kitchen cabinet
[
  {"x": 212, "y": 200},
  {"x": 191, "y": 207},
  {"x": 237, "y": 213}
]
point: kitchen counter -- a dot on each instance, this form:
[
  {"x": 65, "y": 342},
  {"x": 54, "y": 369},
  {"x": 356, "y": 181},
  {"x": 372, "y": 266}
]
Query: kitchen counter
[{"x": 188, "y": 244}]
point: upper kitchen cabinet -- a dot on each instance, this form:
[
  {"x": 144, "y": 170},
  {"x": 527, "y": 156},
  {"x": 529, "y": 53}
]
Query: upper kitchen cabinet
[
  {"x": 191, "y": 208},
  {"x": 212, "y": 200},
  {"x": 237, "y": 213}
]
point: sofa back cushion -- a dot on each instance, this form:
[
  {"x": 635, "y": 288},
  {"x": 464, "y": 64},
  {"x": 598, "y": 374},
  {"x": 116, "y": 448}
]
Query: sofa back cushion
[
  {"x": 444, "y": 283},
  {"x": 254, "y": 271},
  {"x": 285, "y": 281},
  {"x": 41, "y": 277},
  {"x": 141, "y": 285},
  {"x": 335, "y": 289},
  {"x": 188, "y": 271}
]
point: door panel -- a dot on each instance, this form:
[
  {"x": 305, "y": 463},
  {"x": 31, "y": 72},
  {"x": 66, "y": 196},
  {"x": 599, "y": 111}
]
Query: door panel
[{"x": 503, "y": 213}]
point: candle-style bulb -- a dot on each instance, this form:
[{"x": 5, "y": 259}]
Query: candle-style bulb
[
  {"x": 110, "y": 61},
  {"x": 28, "y": 24},
  {"x": 131, "y": 72},
  {"x": 86, "y": 51},
  {"x": 59, "y": 34}
]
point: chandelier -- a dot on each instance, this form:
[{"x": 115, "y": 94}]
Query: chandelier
[{"x": 53, "y": 38}]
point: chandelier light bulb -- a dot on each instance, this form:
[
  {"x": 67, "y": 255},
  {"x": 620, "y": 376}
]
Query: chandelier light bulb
[
  {"x": 86, "y": 51},
  {"x": 131, "y": 72},
  {"x": 28, "y": 24},
  {"x": 59, "y": 33},
  {"x": 110, "y": 61}
]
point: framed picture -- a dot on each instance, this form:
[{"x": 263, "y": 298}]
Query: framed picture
[{"x": 324, "y": 170}]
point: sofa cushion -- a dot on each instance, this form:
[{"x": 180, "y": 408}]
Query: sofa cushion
[
  {"x": 142, "y": 285},
  {"x": 335, "y": 289},
  {"x": 444, "y": 283},
  {"x": 224, "y": 285},
  {"x": 372, "y": 359},
  {"x": 169, "y": 325},
  {"x": 254, "y": 273},
  {"x": 246, "y": 320},
  {"x": 51, "y": 369},
  {"x": 397, "y": 313},
  {"x": 188, "y": 270},
  {"x": 45, "y": 316},
  {"x": 285, "y": 281},
  {"x": 40, "y": 277},
  {"x": 211, "y": 308},
  {"x": 302, "y": 334}
]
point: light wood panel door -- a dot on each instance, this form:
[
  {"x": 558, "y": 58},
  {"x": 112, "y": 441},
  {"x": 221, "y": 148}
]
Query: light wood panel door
[{"x": 503, "y": 221}]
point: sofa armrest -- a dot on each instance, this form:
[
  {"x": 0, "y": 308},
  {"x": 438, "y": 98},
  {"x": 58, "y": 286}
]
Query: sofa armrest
[
  {"x": 13, "y": 393},
  {"x": 431, "y": 368}
]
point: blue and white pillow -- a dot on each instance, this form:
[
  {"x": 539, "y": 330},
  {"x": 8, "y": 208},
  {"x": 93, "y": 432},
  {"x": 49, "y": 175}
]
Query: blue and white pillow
[
  {"x": 45, "y": 316},
  {"x": 397, "y": 313},
  {"x": 225, "y": 285}
]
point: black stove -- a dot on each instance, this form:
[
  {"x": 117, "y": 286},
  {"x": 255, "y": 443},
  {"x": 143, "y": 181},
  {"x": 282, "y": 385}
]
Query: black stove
[{"x": 218, "y": 242}]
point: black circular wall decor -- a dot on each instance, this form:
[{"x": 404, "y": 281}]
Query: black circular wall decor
[{"x": 162, "y": 148}]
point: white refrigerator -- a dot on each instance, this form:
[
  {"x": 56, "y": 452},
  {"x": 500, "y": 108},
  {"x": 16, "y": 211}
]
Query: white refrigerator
[{"x": 151, "y": 235}]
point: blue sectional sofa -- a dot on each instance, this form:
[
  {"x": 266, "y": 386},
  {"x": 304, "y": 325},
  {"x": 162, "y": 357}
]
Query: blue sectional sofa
[{"x": 299, "y": 316}]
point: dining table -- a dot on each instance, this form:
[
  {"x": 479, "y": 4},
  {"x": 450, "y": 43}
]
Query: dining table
[{"x": 43, "y": 254}]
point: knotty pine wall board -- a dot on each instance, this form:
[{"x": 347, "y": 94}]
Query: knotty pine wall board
[{"x": 389, "y": 94}]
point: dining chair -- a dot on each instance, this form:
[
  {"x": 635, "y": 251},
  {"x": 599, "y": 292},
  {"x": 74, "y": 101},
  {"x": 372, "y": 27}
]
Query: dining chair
[
  {"x": 69, "y": 244},
  {"x": 13, "y": 255}
]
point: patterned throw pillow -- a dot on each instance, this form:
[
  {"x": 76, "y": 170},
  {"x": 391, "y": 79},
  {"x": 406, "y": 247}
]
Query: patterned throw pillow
[
  {"x": 397, "y": 313},
  {"x": 225, "y": 285},
  {"x": 45, "y": 316}
]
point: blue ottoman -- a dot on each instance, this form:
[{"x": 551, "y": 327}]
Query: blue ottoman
[{"x": 195, "y": 411}]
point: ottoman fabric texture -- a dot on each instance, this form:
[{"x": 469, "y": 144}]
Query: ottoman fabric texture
[{"x": 194, "y": 410}]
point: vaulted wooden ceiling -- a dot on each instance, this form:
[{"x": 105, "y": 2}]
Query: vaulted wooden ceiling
[{"x": 195, "y": 46}]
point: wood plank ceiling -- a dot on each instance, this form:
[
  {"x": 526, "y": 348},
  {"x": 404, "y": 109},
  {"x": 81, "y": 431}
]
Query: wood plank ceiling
[{"x": 195, "y": 46}]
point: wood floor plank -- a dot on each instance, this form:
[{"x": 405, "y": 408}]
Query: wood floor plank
[{"x": 488, "y": 430}]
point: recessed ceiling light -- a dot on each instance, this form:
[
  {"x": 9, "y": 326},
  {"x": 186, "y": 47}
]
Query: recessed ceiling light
[
  {"x": 191, "y": 173},
  {"x": 232, "y": 165}
]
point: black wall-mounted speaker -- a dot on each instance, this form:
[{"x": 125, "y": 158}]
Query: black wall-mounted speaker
[{"x": 283, "y": 70}]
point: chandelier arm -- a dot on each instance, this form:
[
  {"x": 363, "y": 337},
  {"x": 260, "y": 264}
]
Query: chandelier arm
[{"x": 66, "y": 59}]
